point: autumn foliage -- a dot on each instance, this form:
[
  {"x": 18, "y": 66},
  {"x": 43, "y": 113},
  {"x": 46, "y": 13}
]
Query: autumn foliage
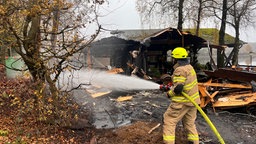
[{"x": 25, "y": 118}]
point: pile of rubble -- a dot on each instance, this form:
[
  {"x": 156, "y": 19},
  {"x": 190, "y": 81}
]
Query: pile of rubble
[{"x": 229, "y": 88}]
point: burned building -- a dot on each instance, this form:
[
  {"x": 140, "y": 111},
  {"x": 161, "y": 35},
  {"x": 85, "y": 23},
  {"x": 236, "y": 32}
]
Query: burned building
[
  {"x": 149, "y": 53},
  {"x": 146, "y": 51},
  {"x": 158, "y": 44},
  {"x": 111, "y": 51}
]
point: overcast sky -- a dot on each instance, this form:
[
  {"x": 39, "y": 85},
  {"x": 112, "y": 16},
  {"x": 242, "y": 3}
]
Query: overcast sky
[{"x": 121, "y": 14}]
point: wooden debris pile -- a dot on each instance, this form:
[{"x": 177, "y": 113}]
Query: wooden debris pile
[{"x": 232, "y": 89}]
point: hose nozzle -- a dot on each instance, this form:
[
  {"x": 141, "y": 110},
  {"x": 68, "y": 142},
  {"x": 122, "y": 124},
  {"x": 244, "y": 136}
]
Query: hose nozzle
[{"x": 164, "y": 88}]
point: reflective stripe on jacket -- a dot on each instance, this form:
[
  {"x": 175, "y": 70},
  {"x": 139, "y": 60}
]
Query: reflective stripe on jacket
[{"x": 185, "y": 75}]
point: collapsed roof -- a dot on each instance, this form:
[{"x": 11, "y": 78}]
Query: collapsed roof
[{"x": 169, "y": 37}]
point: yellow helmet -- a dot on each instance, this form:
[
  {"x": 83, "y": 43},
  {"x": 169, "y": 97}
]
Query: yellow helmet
[{"x": 179, "y": 53}]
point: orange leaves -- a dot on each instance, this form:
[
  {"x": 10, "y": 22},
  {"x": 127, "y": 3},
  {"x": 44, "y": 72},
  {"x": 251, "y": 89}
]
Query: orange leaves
[
  {"x": 2, "y": 10},
  {"x": 36, "y": 9},
  {"x": 50, "y": 100},
  {"x": 24, "y": 12},
  {"x": 15, "y": 92}
]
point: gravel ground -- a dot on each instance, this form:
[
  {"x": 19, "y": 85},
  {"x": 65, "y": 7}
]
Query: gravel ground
[{"x": 129, "y": 121}]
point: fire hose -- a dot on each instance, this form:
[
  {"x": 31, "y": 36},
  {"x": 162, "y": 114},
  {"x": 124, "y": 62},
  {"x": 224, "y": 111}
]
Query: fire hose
[{"x": 205, "y": 117}]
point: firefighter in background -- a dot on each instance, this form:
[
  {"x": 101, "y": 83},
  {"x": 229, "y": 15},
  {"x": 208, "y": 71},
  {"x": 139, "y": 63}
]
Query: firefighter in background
[
  {"x": 184, "y": 79},
  {"x": 137, "y": 71}
]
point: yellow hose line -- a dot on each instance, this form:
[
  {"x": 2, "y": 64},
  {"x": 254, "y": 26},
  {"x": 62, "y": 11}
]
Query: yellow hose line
[{"x": 206, "y": 118}]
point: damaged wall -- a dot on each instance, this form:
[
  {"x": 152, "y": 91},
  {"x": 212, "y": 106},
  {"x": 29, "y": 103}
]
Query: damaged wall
[{"x": 115, "y": 49}]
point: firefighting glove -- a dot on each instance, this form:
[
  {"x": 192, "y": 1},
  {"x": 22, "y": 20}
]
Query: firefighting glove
[
  {"x": 164, "y": 88},
  {"x": 167, "y": 95},
  {"x": 178, "y": 89}
]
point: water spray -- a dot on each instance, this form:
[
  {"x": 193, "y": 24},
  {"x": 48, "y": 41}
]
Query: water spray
[{"x": 107, "y": 80}]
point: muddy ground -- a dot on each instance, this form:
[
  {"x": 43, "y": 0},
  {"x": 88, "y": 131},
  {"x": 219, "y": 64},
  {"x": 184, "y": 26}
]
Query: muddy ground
[{"x": 130, "y": 122}]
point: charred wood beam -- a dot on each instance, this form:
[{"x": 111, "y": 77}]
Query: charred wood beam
[
  {"x": 169, "y": 42},
  {"x": 213, "y": 46},
  {"x": 230, "y": 74}
]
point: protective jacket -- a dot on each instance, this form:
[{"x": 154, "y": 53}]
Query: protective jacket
[
  {"x": 186, "y": 75},
  {"x": 180, "y": 107}
]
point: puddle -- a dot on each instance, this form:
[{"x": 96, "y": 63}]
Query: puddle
[
  {"x": 103, "y": 120},
  {"x": 106, "y": 120},
  {"x": 105, "y": 113},
  {"x": 108, "y": 113}
]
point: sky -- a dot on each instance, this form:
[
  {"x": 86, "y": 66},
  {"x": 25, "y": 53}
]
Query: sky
[{"x": 122, "y": 15}]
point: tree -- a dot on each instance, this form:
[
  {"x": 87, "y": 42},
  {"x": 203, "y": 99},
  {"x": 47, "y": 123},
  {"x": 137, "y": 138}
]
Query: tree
[
  {"x": 241, "y": 14},
  {"x": 216, "y": 6},
  {"x": 3, "y": 42},
  {"x": 201, "y": 12},
  {"x": 163, "y": 12},
  {"x": 180, "y": 15},
  {"x": 48, "y": 35},
  {"x": 236, "y": 13},
  {"x": 220, "y": 54},
  {"x": 175, "y": 12}
]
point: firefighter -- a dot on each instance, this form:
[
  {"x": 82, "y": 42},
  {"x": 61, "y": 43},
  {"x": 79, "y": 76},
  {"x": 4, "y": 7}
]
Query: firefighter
[{"x": 184, "y": 79}]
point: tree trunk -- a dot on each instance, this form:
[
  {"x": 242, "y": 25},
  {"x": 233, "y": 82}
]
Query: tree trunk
[
  {"x": 3, "y": 48},
  {"x": 236, "y": 46},
  {"x": 198, "y": 17},
  {"x": 55, "y": 27},
  {"x": 2, "y": 54},
  {"x": 180, "y": 15},
  {"x": 220, "y": 53}
]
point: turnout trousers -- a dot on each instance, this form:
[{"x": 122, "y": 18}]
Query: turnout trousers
[{"x": 175, "y": 113}]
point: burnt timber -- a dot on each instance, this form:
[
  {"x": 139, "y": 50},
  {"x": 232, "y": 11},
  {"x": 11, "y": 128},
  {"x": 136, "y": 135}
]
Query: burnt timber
[{"x": 232, "y": 74}]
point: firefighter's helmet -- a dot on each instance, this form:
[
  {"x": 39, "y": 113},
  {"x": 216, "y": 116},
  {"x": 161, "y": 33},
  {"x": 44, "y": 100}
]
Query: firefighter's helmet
[{"x": 179, "y": 53}]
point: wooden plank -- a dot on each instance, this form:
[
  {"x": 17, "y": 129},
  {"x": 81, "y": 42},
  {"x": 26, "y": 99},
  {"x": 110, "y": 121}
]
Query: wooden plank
[
  {"x": 115, "y": 71},
  {"x": 235, "y": 100},
  {"x": 94, "y": 95},
  {"x": 210, "y": 99},
  {"x": 225, "y": 85},
  {"x": 155, "y": 127},
  {"x": 124, "y": 98}
]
